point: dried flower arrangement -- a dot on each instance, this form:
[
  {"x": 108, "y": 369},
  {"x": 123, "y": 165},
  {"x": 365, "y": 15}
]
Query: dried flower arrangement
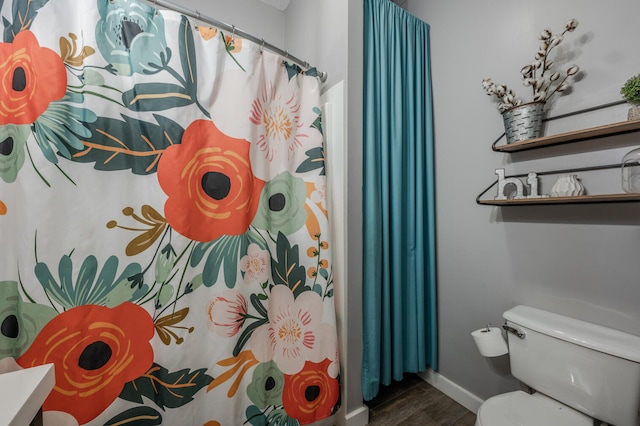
[{"x": 538, "y": 75}]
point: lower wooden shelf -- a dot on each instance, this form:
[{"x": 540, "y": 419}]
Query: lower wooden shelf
[{"x": 581, "y": 199}]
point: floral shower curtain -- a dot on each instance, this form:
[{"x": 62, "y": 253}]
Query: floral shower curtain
[{"x": 163, "y": 220}]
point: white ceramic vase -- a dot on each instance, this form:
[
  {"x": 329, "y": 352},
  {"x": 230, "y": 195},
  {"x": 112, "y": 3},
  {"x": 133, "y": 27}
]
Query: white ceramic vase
[{"x": 567, "y": 186}]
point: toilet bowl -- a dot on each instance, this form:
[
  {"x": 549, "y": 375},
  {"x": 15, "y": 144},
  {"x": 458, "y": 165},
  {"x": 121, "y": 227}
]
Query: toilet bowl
[
  {"x": 522, "y": 409},
  {"x": 580, "y": 372}
]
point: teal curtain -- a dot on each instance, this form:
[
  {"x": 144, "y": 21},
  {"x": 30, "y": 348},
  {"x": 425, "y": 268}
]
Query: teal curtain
[{"x": 399, "y": 276}]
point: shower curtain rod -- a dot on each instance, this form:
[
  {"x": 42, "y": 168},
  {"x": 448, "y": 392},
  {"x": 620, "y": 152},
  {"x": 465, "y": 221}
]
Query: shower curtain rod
[{"x": 232, "y": 28}]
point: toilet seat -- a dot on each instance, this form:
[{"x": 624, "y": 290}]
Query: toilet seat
[{"x": 522, "y": 409}]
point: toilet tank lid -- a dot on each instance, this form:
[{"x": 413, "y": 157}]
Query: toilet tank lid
[{"x": 592, "y": 336}]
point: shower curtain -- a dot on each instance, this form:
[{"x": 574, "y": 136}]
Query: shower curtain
[
  {"x": 399, "y": 278},
  {"x": 163, "y": 220}
]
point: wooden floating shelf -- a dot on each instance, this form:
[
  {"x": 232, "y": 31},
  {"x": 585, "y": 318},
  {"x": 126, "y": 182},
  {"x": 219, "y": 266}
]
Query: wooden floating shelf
[
  {"x": 620, "y": 128},
  {"x": 569, "y": 137},
  {"x": 581, "y": 199}
]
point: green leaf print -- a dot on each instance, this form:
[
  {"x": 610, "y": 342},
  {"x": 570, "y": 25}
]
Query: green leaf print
[
  {"x": 60, "y": 127},
  {"x": 255, "y": 416},
  {"x": 188, "y": 56},
  {"x": 163, "y": 96},
  {"x": 157, "y": 97},
  {"x": 165, "y": 389},
  {"x": 312, "y": 72},
  {"x": 287, "y": 269},
  {"x": 227, "y": 252},
  {"x": 317, "y": 124},
  {"x": 292, "y": 70},
  {"x": 314, "y": 161},
  {"x": 136, "y": 416},
  {"x": 128, "y": 144},
  {"x": 246, "y": 334},
  {"x": 104, "y": 289},
  {"x": 23, "y": 14}
]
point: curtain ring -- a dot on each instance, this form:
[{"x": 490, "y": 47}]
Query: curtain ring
[
  {"x": 233, "y": 32},
  {"x": 155, "y": 7},
  {"x": 197, "y": 19},
  {"x": 286, "y": 54},
  {"x": 262, "y": 46}
]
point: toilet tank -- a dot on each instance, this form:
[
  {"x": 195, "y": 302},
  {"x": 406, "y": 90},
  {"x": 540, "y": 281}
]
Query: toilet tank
[{"x": 594, "y": 369}]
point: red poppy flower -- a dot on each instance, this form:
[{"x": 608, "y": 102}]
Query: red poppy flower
[
  {"x": 95, "y": 350},
  {"x": 311, "y": 394},
  {"x": 212, "y": 190},
  {"x": 30, "y": 78}
]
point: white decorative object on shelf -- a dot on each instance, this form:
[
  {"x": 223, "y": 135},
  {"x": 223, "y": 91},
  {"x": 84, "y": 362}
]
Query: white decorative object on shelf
[
  {"x": 567, "y": 186},
  {"x": 631, "y": 171},
  {"x": 532, "y": 180}
]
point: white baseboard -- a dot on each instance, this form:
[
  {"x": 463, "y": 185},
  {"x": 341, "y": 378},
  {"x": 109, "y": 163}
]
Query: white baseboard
[
  {"x": 357, "y": 417},
  {"x": 459, "y": 394}
]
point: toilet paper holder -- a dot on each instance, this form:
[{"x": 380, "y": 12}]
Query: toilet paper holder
[{"x": 514, "y": 331}]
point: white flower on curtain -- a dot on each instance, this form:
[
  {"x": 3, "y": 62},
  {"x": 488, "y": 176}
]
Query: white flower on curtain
[
  {"x": 319, "y": 194},
  {"x": 256, "y": 265},
  {"x": 280, "y": 128},
  {"x": 295, "y": 332},
  {"x": 226, "y": 313}
]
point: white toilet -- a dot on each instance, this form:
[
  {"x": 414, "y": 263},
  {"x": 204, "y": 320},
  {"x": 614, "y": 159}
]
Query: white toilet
[{"x": 582, "y": 373}]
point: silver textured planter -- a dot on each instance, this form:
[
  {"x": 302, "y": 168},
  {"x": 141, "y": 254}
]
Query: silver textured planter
[
  {"x": 634, "y": 113},
  {"x": 523, "y": 122}
]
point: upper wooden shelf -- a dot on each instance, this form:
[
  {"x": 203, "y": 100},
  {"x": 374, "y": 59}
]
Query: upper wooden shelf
[{"x": 575, "y": 136}]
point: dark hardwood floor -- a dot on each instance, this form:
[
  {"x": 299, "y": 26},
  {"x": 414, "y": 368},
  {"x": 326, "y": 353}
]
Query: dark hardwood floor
[{"x": 414, "y": 402}]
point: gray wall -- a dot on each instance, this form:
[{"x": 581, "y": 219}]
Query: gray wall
[
  {"x": 252, "y": 16},
  {"x": 317, "y": 32},
  {"x": 571, "y": 259}
]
